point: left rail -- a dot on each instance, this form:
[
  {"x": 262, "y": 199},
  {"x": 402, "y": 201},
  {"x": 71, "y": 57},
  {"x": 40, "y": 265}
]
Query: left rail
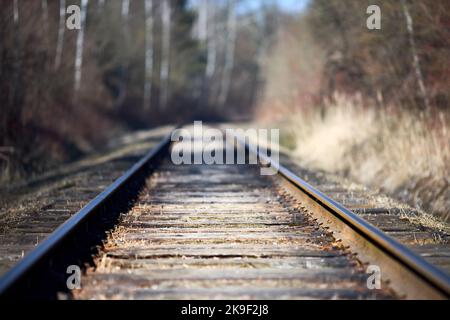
[{"x": 42, "y": 273}]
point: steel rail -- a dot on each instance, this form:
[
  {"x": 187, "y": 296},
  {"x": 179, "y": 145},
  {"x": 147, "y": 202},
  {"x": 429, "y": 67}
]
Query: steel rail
[
  {"x": 19, "y": 283},
  {"x": 436, "y": 278}
]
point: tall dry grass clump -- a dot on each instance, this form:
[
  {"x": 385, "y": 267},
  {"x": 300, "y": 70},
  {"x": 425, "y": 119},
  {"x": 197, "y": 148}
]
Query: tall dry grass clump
[
  {"x": 400, "y": 153},
  {"x": 369, "y": 105}
]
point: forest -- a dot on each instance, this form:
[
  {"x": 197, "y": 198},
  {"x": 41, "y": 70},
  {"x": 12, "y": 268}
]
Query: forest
[{"x": 133, "y": 64}]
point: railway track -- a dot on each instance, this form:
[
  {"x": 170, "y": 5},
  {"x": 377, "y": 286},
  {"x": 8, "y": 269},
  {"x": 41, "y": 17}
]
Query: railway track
[{"x": 163, "y": 231}]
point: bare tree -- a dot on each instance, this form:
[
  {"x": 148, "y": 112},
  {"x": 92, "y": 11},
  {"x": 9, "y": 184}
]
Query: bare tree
[
  {"x": 229, "y": 54},
  {"x": 264, "y": 33},
  {"x": 100, "y": 5},
  {"x": 264, "y": 36},
  {"x": 416, "y": 59},
  {"x": 46, "y": 29},
  {"x": 166, "y": 47},
  {"x": 212, "y": 45},
  {"x": 148, "y": 53},
  {"x": 1, "y": 49},
  {"x": 125, "y": 15},
  {"x": 125, "y": 10},
  {"x": 16, "y": 11},
  {"x": 202, "y": 23},
  {"x": 61, "y": 31},
  {"x": 79, "y": 46},
  {"x": 17, "y": 58},
  {"x": 207, "y": 25}
]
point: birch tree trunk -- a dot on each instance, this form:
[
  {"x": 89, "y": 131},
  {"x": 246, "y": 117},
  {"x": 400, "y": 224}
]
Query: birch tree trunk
[
  {"x": 202, "y": 23},
  {"x": 166, "y": 45},
  {"x": 416, "y": 59},
  {"x": 79, "y": 47},
  {"x": 16, "y": 12},
  {"x": 61, "y": 31},
  {"x": 125, "y": 10},
  {"x": 211, "y": 52},
  {"x": 148, "y": 53},
  {"x": 211, "y": 45},
  {"x": 124, "y": 13},
  {"x": 229, "y": 54}
]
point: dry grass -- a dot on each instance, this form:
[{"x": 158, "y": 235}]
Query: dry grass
[{"x": 403, "y": 155}]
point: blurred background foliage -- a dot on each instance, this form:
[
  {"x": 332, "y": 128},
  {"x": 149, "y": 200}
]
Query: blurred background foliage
[{"x": 46, "y": 119}]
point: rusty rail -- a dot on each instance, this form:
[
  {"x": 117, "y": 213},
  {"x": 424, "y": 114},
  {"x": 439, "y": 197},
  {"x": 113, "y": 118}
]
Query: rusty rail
[
  {"x": 39, "y": 274},
  {"x": 427, "y": 281}
]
